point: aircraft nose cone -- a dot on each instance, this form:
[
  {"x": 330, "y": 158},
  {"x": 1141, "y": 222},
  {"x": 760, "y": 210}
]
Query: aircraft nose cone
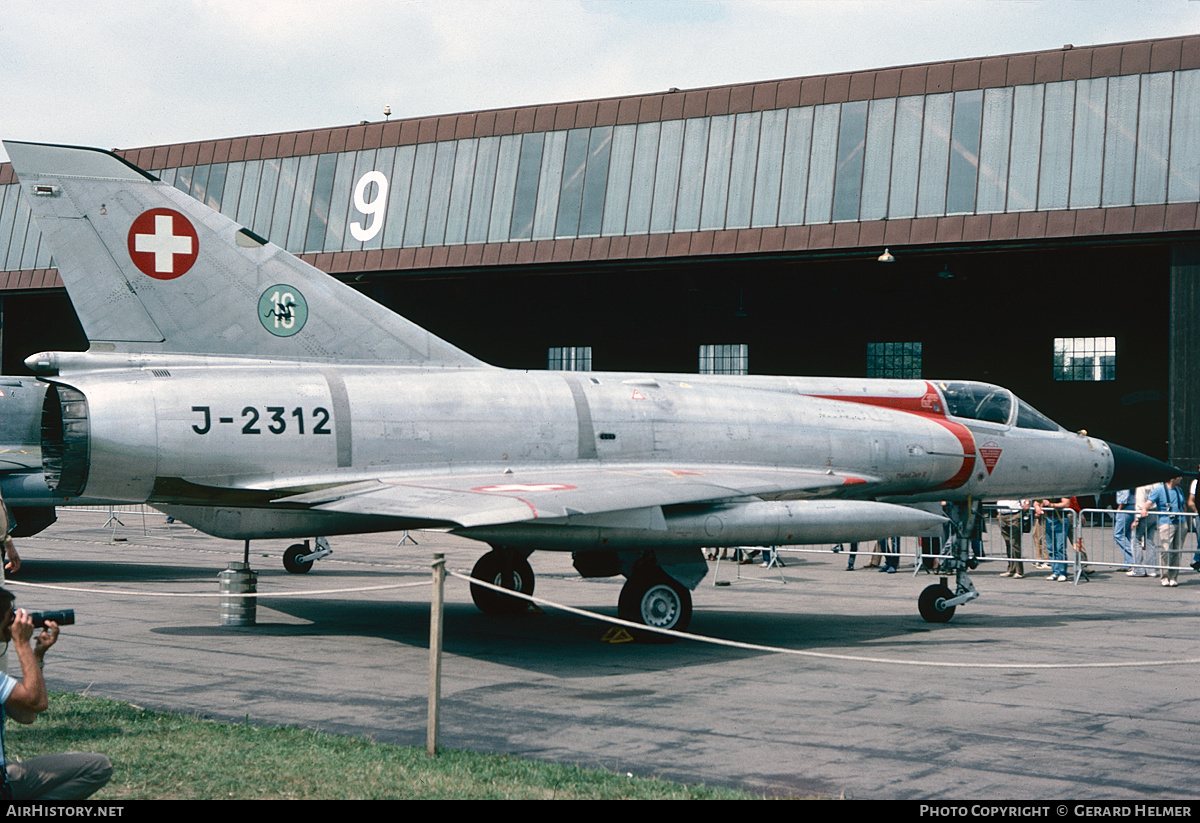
[{"x": 1132, "y": 469}]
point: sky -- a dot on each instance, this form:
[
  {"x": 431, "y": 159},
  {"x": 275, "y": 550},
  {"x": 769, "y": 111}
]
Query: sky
[{"x": 145, "y": 72}]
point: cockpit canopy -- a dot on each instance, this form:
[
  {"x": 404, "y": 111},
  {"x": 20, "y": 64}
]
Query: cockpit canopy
[{"x": 992, "y": 404}]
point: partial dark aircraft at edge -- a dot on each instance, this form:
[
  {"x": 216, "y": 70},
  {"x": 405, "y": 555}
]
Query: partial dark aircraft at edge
[{"x": 250, "y": 395}]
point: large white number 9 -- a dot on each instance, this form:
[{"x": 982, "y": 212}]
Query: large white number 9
[{"x": 373, "y": 209}]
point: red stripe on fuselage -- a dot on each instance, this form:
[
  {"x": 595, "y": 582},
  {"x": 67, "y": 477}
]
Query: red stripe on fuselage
[{"x": 930, "y": 407}]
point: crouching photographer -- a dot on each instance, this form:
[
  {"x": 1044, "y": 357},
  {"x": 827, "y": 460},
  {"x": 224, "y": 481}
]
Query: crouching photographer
[{"x": 72, "y": 776}]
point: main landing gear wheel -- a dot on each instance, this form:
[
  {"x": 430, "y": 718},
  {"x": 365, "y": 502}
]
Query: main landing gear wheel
[
  {"x": 932, "y": 606},
  {"x": 656, "y": 600},
  {"x": 511, "y": 572},
  {"x": 292, "y": 562}
]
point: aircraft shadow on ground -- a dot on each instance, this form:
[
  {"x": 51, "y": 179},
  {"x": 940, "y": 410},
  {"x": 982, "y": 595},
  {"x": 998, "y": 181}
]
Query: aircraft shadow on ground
[
  {"x": 71, "y": 572},
  {"x": 561, "y": 642},
  {"x": 550, "y": 642},
  {"x": 47, "y": 570},
  {"x": 569, "y": 645}
]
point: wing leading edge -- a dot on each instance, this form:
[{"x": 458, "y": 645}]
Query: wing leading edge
[{"x": 495, "y": 499}]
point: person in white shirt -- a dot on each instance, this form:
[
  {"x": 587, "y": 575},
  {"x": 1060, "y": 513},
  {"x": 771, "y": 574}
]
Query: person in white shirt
[{"x": 72, "y": 776}]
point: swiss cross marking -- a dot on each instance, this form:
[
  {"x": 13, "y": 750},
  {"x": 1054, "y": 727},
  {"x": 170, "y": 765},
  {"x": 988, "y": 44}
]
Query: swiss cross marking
[{"x": 163, "y": 244}]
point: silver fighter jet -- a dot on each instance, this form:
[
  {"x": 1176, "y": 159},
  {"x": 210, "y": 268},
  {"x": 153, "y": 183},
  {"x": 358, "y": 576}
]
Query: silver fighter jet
[{"x": 244, "y": 392}]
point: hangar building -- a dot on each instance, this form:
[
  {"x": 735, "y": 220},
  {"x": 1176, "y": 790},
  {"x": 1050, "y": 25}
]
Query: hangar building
[{"x": 1028, "y": 219}]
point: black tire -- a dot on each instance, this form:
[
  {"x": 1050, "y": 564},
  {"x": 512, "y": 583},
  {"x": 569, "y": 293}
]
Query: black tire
[
  {"x": 655, "y": 599},
  {"x": 927, "y": 604},
  {"x": 292, "y": 564},
  {"x": 510, "y": 571}
]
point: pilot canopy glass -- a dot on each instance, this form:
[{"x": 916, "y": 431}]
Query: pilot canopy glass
[{"x": 992, "y": 404}]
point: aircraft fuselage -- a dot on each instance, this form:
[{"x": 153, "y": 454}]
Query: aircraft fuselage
[{"x": 247, "y": 435}]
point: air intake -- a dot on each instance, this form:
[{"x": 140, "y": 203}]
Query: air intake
[{"x": 65, "y": 441}]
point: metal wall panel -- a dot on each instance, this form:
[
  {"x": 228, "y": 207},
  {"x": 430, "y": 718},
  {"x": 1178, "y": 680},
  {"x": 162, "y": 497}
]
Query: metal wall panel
[{"x": 1079, "y": 143}]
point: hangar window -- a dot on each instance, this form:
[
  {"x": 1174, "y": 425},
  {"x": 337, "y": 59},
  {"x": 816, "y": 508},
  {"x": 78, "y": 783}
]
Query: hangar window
[
  {"x": 569, "y": 358},
  {"x": 725, "y": 358},
  {"x": 895, "y": 360},
  {"x": 1085, "y": 358}
]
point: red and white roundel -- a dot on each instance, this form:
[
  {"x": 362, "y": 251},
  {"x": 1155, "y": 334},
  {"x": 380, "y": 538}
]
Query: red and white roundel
[
  {"x": 163, "y": 244},
  {"x": 525, "y": 487}
]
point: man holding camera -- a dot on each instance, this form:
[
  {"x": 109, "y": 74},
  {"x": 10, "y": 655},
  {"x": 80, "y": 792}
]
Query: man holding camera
[{"x": 71, "y": 776}]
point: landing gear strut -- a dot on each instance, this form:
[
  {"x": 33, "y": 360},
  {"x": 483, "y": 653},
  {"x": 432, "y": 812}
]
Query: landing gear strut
[
  {"x": 506, "y": 569},
  {"x": 937, "y": 602}
]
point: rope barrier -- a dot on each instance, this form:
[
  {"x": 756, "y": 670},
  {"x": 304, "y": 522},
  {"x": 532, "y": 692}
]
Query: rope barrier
[
  {"x": 616, "y": 621},
  {"x": 737, "y": 644},
  {"x": 49, "y": 587}
]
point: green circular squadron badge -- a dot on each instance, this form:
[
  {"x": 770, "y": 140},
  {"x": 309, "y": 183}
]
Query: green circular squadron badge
[{"x": 282, "y": 310}]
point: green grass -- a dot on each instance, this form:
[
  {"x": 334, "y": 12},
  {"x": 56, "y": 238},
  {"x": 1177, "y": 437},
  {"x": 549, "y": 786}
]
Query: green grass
[{"x": 172, "y": 756}]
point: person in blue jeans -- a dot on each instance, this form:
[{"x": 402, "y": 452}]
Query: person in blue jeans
[
  {"x": 1056, "y": 536},
  {"x": 853, "y": 554},
  {"x": 1122, "y": 525},
  {"x": 1169, "y": 499}
]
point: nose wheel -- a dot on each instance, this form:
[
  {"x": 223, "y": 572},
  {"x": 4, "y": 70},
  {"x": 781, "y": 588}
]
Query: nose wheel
[
  {"x": 299, "y": 559},
  {"x": 932, "y": 603}
]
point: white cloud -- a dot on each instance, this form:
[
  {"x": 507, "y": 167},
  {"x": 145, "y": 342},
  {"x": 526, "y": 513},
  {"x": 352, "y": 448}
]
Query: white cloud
[{"x": 144, "y": 72}]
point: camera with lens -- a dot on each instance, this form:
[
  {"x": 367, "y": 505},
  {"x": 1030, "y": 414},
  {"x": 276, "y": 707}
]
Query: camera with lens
[{"x": 63, "y": 617}]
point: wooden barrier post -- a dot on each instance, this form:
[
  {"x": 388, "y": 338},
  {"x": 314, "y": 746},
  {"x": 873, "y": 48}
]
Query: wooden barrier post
[{"x": 435, "y": 654}]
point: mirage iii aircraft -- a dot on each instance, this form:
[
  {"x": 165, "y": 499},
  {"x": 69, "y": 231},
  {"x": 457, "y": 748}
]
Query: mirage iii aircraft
[{"x": 250, "y": 395}]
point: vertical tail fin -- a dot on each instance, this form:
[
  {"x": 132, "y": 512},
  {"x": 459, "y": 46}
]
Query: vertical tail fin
[{"x": 150, "y": 269}]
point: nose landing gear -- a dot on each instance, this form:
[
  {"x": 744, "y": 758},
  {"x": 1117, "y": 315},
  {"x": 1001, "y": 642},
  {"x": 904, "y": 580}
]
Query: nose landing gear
[
  {"x": 299, "y": 560},
  {"x": 937, "y": 602}
]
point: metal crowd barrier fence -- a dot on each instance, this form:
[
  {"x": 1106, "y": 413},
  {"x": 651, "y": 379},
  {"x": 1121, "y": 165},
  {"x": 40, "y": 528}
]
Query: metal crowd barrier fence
[
  {"x": 1082, "y": 550},
  {"x": 1111, "y": 541},
  {"x": 930, "y": 550},
  {"x": 1031, "y": 549},
  {"x": 924, "y": 557},
  {"x": 868, "y": 554},
  {"x": 776, "y": 557},
  {"x": 122, "y": 521}
]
